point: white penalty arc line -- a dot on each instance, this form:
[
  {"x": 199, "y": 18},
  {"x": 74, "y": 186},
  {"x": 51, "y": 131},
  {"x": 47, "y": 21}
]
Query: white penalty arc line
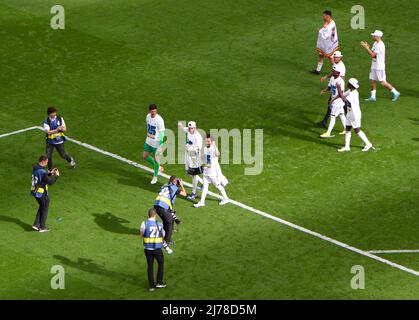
[
  {"x": 393, "y": 251},
  {"x": 241, "y": 205}
]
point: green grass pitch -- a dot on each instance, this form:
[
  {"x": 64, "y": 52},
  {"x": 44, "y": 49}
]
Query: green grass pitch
[{"x": 225, "y": 64}]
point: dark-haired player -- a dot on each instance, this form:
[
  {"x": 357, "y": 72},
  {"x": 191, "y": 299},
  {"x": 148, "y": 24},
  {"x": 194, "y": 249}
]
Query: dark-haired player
[
  {"x": 353, "y": 117},
  {"x": 154, "y": 141},
  {"x": 55, "y": 128},
  {"x": 327, "y": 40},
  {"x": 212, "y": 172}
]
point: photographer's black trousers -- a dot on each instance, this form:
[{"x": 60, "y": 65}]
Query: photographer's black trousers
[
  {"x": 42, "y": 214},
  {"x": 150, "y": 256},
  {"x": 167, "y": 218},
  {"x": 60, "y": 148}
]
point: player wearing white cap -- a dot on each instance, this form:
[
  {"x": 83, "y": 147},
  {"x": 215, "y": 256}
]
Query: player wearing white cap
[
  {"x": 378, "y": 66},
  {"x": 212, "y": 172},
  {"x": 353, "y": 117},
  {"x": 336, "y": 102},
  {"x": 193, "y": 161},
  {"x": 337, "y": 61},
  {"x": 327, "y": 40}
]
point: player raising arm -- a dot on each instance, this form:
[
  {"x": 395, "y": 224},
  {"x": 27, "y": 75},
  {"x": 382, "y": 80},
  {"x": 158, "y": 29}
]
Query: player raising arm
[
  {"x": 154, "y": 140},
  {"x": 193, "y": 161}
]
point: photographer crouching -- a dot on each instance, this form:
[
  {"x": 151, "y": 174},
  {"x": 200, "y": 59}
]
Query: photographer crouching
[
  {"x": 164, "y": 205},
  {"x": 41, "y": 179}
]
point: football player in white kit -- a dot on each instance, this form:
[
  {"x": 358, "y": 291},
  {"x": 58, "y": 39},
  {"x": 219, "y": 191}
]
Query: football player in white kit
[
  {"x": 337, "y": 61},
  {"x": 327, "y": 40},
  {"x": 154, "y": 141},
  {"x": 193, "y": 158},
  {"x": 353, "y": 117},
  {"x": 378, "y": 66},
  {"x": 336, "y": 102},
  {"x": 212, "y": 172}
]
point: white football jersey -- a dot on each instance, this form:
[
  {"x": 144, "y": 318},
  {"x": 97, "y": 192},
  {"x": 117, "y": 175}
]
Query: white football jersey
[
  {"x": 378, "y": 62},
  {"x": 353, "y": 98},
  {"x": 327, "y": 39},
  {"x": 341, "y": 66},
  {"x": 211, "y": 165},
  {"x": 193, "y": 149},
  {"x": 333, "y": 82},
  {"x": 154, "y": 127}
]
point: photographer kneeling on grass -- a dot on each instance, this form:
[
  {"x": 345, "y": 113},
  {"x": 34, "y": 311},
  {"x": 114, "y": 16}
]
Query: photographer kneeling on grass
[
  {"x": 164, "y": 205},
  {"x": 40, "y": 181}
]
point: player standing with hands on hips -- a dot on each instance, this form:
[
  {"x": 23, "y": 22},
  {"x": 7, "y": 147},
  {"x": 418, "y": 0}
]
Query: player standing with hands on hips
[
  {"x": 54, "y": 127},
  {"x": 378, "y": 66},
  {"x": 154, "y": 141},
  {"x": 41, "y": 179}
]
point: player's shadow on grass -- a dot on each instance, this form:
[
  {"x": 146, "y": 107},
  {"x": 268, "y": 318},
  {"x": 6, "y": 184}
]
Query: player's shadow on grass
[
  {"x": 88, "y": 265},
  {"x": 109, "y": 222},
  {"x": 20, "y": 223},
  {"x": 416, "y": 120}
]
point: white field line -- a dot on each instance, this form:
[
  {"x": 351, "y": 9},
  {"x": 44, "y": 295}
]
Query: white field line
[
  {"x": 393, "y": 251},
  {"x": 248, "y": 208},
  {"x": 17, "y": 132}
]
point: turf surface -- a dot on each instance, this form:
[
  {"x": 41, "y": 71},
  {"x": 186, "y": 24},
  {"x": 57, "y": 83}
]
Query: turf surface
[{"x": 224, "y": 64}]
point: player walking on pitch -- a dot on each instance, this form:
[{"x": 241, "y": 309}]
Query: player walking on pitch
[
  {"x": 327, "y": 40},
  {"x": 193, "y": 159},
  {"x": 378, "y": 66},
  {"x": 337, "y": 61},
  {"x": 336, "y": 102},
  {"x": 353, "y": 117},
  {"x": 154, "y": 140},
  {"x": 212, "y": 172}
]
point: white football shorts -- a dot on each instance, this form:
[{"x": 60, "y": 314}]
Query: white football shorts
[
  {"x": 352, "y": 120},
  {"x": 378, "y": 75}
]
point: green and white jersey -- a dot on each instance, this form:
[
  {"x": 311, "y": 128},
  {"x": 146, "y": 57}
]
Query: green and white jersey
[{"x": 154, "y": 127}]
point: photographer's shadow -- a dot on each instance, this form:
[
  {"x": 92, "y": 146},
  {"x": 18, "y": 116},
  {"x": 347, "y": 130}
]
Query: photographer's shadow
[
  {"x": 20, "y": 223},
  {"x": 109, "y": 222}
]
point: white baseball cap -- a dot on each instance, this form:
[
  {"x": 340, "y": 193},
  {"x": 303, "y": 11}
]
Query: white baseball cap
[
  {"x": 377, "y": 33},
  {"x": 191, "y": 124},
  {"x": 338, "y": 54},
  {"x": 354, "y": 82},
  {"x": 337, "y": 68}
]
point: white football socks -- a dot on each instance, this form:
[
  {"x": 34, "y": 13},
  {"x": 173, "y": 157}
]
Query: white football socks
[
  {"x": 364, "y": 138},
  {"x": 194, "y": 184},
  {"x": 204, "y": 193},
  {"x": 331, "y": 124},
  {"x": 319, "y": 66},
  {"x": 343, "y": 120},
  {"x": 347, "y": 139},
  {"x": 373, "y": 92},
  {"x": 222, "y": 191}
]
